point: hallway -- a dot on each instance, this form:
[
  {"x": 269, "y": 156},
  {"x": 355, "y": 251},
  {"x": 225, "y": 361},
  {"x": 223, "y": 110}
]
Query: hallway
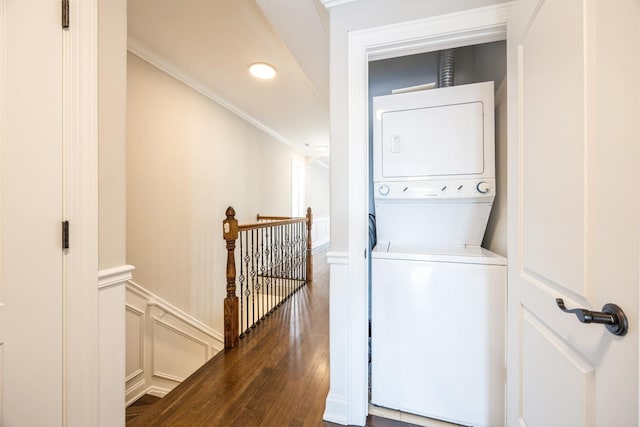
[{"x": 277, "y": 376}]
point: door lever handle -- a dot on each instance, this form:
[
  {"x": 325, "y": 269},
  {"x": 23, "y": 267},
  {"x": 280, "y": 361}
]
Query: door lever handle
[{"x": 611, "y": 316}]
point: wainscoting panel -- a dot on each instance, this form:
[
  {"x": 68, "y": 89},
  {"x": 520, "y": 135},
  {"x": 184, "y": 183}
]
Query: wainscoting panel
[
  {"x": 135, "y": 342},
  {"x": 320, "y": 231},
  {"x": 171, "y": 342},
  {"x": 164, "y": 344}
]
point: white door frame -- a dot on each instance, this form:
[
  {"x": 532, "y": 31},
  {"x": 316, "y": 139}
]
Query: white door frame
[
  {"x": 80, "y": 205},
  {"x": 464, "y": 28}
]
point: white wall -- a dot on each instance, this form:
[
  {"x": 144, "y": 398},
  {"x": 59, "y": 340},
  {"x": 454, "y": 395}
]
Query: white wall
[
  {"x": 317, "y": 187},
  {"x": 112, "y": 129},
  {"x": 495, "y": 238},
  {"x": 187, "y": 160},
  {"x": 112, "y": 92},
  {"x": 317, "y": 194}
]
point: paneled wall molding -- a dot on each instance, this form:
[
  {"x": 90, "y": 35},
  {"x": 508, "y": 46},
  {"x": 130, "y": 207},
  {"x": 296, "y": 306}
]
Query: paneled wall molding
[
  {"x": 114, "y": 276},
  {"x": 320, "y": 231},
  {"x": 167, "y": 307},
  {"x": 164, "y": 344},
  {"x": 135, "y": 358}
]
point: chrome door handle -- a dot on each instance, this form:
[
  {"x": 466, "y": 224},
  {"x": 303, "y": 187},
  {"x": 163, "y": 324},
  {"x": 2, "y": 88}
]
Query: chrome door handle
[{"x": 611, "y": 316}]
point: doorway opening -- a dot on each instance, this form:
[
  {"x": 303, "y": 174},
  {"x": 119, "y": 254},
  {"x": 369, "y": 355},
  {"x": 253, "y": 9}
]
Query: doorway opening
[
  {"x": 481, "y": 25},
  {"x": 473, "y": 64}
]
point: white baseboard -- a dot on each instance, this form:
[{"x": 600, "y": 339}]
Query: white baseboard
[
  {"x": 336, "y": 409},
  {"x": 164, "y": 344},
  {"x": 158, "y": 391},
  {"x": 337, "y": 406}
]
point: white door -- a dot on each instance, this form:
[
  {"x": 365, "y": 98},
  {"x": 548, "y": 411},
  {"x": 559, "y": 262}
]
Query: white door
[
  {"x": 31, "y": 273},
  {"x": 573, "y": 211}
]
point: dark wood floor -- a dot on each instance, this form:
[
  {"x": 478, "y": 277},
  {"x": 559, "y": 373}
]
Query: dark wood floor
[{"x": 277, "y": 376}]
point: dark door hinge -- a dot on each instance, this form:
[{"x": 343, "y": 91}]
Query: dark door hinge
[
  {"x": 65, "y": 14},
  {"x": 65, "y": 234}
]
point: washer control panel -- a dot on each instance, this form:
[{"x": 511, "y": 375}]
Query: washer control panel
[{"x": 454, "y": 188}]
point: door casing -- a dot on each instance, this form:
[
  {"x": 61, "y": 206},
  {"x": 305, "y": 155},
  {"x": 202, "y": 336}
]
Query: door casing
[{"x": 482, "y": 25}]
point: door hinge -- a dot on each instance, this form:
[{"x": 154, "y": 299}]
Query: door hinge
[
  {"x": 65, "y": 234},
  {"x": 65, "y": 14}
]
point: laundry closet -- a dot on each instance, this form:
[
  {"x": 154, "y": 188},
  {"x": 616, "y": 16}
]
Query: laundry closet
[{"x": 437, "y": 203}]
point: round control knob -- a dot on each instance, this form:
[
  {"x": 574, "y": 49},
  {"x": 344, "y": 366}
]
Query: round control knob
[
  {"x": 383, "y": 190},
  {"x": 482, "y": 187}
]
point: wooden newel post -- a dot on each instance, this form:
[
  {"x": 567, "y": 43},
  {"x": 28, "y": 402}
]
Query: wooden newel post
[
  {"x": 309, "y": 247},
  {"x": 231, "y": 315}
]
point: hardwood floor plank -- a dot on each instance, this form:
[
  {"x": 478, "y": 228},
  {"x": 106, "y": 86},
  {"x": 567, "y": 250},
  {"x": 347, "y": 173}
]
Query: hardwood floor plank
[{"x": 277, "y": 376}]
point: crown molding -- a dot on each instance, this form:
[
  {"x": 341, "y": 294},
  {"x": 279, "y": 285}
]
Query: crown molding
[
  {"x": 160, "y": 62},
  {"x": 331, "y": 3}
]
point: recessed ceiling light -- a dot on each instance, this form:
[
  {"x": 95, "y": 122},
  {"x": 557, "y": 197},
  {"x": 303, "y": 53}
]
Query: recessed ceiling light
[{"x": 263, "y": 71}]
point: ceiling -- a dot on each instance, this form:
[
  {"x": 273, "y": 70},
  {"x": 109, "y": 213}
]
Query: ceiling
[{"x": 209, "y": 45}]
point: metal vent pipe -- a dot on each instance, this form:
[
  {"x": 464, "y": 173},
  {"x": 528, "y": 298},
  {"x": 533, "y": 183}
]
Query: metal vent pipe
[{"x": 446, "y": 68}]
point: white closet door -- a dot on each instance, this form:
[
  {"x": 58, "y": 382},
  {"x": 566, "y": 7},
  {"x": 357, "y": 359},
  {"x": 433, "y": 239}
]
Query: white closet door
[
  {"x": 574, "y": 217},
  {"x": 31, "y": 263}
]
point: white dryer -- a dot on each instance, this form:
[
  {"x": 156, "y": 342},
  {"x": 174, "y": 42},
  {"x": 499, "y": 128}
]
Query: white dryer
[{"x": 438, "y": 298}]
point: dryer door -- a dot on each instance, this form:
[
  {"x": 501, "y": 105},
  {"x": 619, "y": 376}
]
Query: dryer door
[{"x": 434, "y": 141}]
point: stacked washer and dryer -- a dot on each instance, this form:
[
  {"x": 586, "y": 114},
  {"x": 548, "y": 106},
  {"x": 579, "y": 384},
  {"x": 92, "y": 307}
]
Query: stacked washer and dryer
[{"x": 437, "y": 297}]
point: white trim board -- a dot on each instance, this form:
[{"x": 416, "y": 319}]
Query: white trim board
[
  {"x": 153, "y": 300},
  {"x": 452, "y": 30},
  {"x": 81, "y": 392},
  {"x": 114, "y": 276},
  {"x": 331, "y": 3},
  {"x": 112, "y": 336}
]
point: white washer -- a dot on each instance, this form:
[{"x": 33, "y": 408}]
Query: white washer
[
  {"x": 437, "y": 333},
  {"x": 438, "y": 298}
]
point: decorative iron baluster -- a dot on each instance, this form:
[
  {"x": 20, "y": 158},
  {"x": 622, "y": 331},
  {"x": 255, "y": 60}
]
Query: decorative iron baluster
[
  {"x": 253, "y": 283},
  {"x": 269, "y": 273},
  {"x": 300, "y": 254},
  {"x": 275, "y": 262},
  {"x": 309, "y": 258},
  {"x": 241, "y": 279},
  {"x": 287, "y": 246},
  {"x": 262, "y": 275},
  {"x": 247, "y": 288}
]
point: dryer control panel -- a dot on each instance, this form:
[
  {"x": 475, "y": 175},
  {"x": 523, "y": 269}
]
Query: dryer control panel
[{"x": 442, "y": 189}]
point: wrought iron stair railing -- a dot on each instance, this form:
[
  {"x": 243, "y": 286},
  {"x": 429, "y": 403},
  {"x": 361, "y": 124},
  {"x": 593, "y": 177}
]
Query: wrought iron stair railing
[{"x": 267, "y": 262}]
